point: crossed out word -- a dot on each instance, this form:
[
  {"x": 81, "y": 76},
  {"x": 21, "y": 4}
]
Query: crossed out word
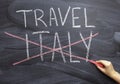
[{"x": 53, "y": 50}]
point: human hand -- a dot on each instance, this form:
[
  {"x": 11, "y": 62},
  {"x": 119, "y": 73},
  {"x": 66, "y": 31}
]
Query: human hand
[{"x": 108, "y": 68}]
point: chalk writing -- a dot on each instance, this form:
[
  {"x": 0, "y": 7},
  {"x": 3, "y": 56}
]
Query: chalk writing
[
  {"x": 53, "y": 49},
  {"x": 56, "y": 18},
  {"x": 53, "y": 17}
]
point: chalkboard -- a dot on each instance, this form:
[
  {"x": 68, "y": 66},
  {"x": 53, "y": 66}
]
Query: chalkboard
[{"x": 56, "y": 41}]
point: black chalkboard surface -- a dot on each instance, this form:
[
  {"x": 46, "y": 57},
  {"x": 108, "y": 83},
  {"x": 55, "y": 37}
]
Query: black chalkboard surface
[{"x": 54, "y": 41}]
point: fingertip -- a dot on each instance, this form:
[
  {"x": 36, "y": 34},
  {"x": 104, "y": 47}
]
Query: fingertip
[{"x": 100, "y": 60}]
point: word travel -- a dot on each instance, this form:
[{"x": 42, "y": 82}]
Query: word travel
[{"x": 77, "y": 16}]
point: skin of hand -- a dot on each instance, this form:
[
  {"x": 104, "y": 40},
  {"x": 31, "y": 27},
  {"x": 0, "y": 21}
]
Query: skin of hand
[{"x": 109, "y": 70}]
